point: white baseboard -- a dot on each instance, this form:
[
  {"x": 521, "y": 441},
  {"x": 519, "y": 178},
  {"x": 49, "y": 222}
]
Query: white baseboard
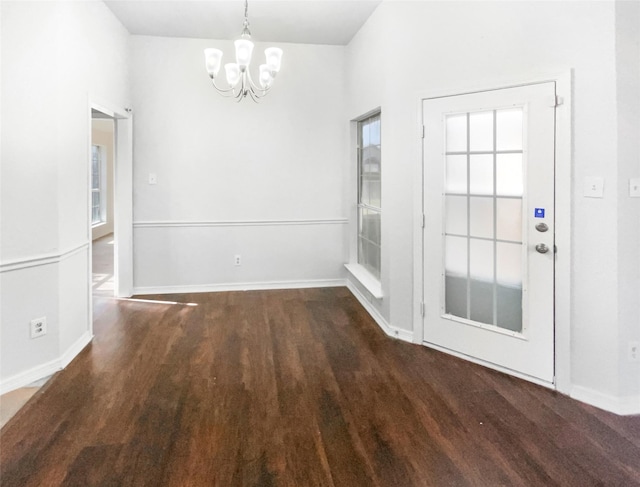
[
  {"x": 405, "y": 335},
  {"x": 25, "y": 378},
  {"x": 75, "y": 349},
  {"x": 624, "y": 406},
  {"x": 38, "y": 372},
  {"x": 392, "y": 331},
  {"x": 243, "y": 286}
]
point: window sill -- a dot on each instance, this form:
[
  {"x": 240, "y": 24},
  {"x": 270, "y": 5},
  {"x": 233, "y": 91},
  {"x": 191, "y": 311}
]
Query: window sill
[{"x": 365, "y": 278}]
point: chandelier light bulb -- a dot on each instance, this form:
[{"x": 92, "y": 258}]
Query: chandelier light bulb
[
  {"x": 213, "y": 60},
  {"x": 265, "y": 76},
  {"x": 233, "y": 73},
  {"x": 238, "y": 75},
  {"x": 244, "y": 48},
  {"x": 274, "y": 58}
]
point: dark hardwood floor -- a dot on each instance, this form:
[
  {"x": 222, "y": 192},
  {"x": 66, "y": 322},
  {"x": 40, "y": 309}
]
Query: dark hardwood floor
[{"x": 296, "y": 388}]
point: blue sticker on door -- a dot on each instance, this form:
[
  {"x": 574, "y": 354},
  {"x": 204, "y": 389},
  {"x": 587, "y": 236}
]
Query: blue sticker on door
[{"x": 539, "y": 213}]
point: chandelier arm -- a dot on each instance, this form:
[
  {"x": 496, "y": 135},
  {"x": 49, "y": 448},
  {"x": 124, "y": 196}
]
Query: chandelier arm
[
  {"x": 240, "y": 95},
  {"x": 237, "y": 93},
  {"x": 224, "y": 92},
  {"x": 254, "y": 96},
  {"x": 257, "y": 90},
  {"x": 242, "y": 92}
]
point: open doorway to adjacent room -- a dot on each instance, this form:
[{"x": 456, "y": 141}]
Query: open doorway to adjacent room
[{"x": 102, "y": 188}]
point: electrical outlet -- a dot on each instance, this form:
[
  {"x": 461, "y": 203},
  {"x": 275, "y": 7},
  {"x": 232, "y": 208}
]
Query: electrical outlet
[
  {"x": 237, "y": 260},
  {"x": 634, "y": 351},
  {"x": 38, "y": 327}
]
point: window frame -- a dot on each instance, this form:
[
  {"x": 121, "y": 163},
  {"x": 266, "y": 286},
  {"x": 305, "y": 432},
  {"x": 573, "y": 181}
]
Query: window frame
[
  {"x": 365, "y": 261},
  {"x": 101, "y": 189}
]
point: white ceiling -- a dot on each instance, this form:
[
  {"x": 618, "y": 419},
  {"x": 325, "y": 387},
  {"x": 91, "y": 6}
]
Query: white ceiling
[{"x": 298, "y": 21}]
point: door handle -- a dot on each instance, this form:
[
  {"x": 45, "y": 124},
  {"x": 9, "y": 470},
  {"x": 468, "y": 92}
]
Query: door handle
[{"x": 542, "y": 248}]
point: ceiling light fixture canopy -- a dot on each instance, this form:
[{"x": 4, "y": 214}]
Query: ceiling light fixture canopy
[{"x": 238, "y": 75}]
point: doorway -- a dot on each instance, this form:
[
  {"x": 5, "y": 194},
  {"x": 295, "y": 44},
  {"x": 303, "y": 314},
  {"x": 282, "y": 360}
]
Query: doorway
[
  {"x": 489, "y": 232},
  {"x": 120, "y": 122},
  {"x": 102, "y": 203}
]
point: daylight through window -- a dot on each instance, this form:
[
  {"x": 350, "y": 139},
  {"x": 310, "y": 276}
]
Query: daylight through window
[
  {"x": 369, "y": 194},
  {"x": 98, "y": 196}
]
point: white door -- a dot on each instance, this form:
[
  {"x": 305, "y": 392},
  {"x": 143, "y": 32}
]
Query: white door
[{"x": 489, "y": 227}]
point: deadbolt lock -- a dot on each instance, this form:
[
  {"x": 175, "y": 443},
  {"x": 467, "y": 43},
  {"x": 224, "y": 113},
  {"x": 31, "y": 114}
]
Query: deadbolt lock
[{"x": 542, "y": 227}]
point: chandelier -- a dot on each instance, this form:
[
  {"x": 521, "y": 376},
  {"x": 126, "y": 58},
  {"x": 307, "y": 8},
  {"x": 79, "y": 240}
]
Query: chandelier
[{"x": 238, "y": 76}]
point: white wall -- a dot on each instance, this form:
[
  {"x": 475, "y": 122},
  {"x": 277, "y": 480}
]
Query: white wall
[
  {"x": 411, "y": 48},
  {"x": 628, "y": 103},
  {"x": 55, "y": 56},
  {"x": 264, "y": 181},
  {"x": 102, "y": 135}
]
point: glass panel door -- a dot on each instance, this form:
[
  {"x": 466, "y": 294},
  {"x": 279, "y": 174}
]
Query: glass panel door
[
  {"x": 483, "y": 217},
  {"x": 488, "y": 237}
]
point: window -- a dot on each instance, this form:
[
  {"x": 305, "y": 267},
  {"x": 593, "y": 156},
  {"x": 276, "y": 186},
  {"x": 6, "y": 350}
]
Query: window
[
  {"x": 369, "y": 194},
  {"x": 98, "y": 180},
  {"x": 484, "y": 189}
]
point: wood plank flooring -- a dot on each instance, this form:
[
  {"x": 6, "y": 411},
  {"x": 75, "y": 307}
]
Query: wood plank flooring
[{"x": 296, "y": 388}]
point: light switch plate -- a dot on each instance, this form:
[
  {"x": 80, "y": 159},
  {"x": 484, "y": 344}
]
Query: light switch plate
[
  {"x": 593, "y": 187},
  {"x": 634, "y": 187},
  {"x": 153, "y": 179}
]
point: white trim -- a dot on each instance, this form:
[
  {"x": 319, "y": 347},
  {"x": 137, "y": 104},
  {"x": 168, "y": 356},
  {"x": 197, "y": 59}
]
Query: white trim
[
  {"x": 25, "y": 378},
  {"x": 370, "y": 113},
  {"x": 563, "y": 211},
  {"x": 624, "y": 406},
  {"x": 73, "y": 351},
  {"x": 238, "y": 223},
  {"x": 351, "y": 193},
  {"x": 365, "y": 278},
  {"x": 466, "y": 87},
  {"x": 504, "y": 370},
  {"x": 241, "y": 286},
  {"x": 392, "y": 331},
  {"x": 563, "y": 226},
  {"x": 101, "y": 106},
  {"x": 40, "y": 260},
  {"x": 41, "y": 371},
  {"x": 75, "y": 250},
  {"x": 123, "y": 205},
  {"x": 418, "y": 234}
]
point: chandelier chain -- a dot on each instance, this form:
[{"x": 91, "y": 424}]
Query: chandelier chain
[{"x": 245, "y": 30}]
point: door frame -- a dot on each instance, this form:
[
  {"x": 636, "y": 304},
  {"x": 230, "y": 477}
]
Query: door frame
[
  {"x": 563, "y": 206},
  {"x": 122, "y": 194}
]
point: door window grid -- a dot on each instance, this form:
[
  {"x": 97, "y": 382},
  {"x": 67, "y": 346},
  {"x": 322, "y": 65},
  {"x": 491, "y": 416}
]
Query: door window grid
[
  {"x": 483, "y": 273},
  {"x": 97, "y": 192},
  {"x": 369, "y": 194}
]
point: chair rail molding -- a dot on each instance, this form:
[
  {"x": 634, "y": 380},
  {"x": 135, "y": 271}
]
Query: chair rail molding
[
  {"x": 239, "y": 223},
  {"x": 42, "y": 259}
]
